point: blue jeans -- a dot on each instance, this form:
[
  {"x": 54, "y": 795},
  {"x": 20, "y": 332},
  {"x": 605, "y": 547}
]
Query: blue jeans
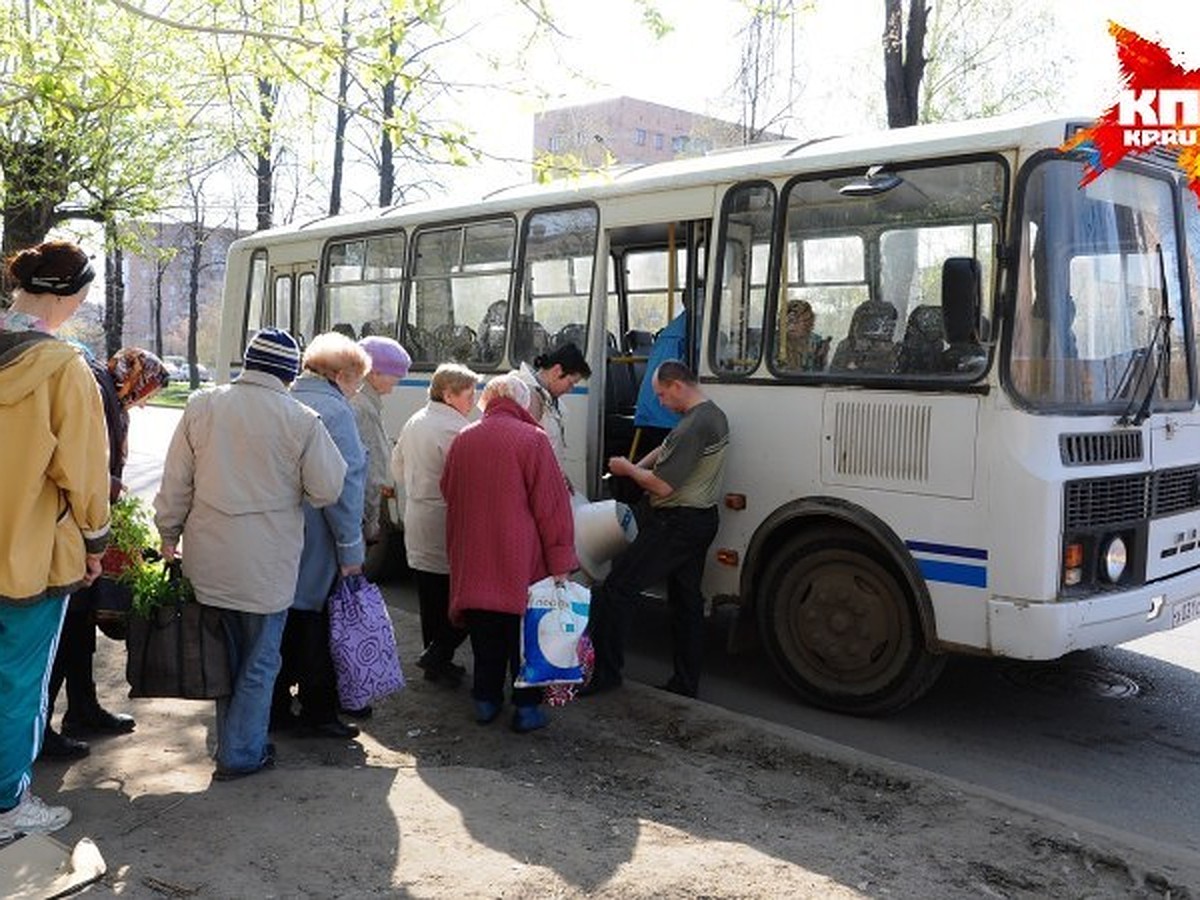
[
  {"x": 243, "y": 717},
  {"x": 28, "y": 641}
]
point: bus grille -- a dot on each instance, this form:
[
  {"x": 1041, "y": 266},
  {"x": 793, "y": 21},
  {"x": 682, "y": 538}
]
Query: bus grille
[
  {"x": 882, "y": 440},
  {"x": 1177, "y": 490},
  {"x": 1097, "y": 502},
  {"x": 1100, "y": 447}
]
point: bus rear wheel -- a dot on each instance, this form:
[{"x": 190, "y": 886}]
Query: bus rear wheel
[{"x": 841, "y": 628}]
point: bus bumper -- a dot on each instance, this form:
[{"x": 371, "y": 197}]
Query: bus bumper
[{"x": 1022, "y": 629}]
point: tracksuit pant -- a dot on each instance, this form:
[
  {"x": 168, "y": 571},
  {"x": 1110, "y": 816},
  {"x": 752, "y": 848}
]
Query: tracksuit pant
[{"x": 28, "y": 641}]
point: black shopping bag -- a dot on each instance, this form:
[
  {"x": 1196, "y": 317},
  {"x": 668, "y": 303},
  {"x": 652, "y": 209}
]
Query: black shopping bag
[{"x": 179, "y": 650}]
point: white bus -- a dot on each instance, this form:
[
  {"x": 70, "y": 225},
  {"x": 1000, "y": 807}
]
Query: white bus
[{"x": 992, "y": 448}]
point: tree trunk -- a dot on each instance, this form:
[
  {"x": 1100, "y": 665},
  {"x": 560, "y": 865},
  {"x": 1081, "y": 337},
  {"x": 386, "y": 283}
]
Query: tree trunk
[
  {"x": 263, "y": 169},
  {"x": 197, "y": 242},
  {"x": 156, "y": 305},
  {"x": 387, "y": 172},
  {"x": 903, "y": 60},
  {"x": 114, "y": 292},
  {"x": 343, "y": 117},
  {"x": 33, "y": 189}
]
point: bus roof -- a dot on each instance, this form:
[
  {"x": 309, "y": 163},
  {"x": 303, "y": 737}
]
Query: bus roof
[{"x": 776, "y": 158}]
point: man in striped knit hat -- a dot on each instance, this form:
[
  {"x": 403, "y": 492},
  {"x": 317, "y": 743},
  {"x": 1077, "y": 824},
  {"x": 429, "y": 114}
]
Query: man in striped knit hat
[{"x": 242, "y": 459}]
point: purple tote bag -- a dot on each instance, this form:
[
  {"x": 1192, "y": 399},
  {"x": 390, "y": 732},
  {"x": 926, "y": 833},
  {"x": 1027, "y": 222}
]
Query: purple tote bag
[{"x": 362, "y": 644}]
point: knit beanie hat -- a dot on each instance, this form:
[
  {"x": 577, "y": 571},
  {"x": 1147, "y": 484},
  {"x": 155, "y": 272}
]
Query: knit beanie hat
[
  {"x": 387, "y": 356},
  {"x": 274, "y": 352}
]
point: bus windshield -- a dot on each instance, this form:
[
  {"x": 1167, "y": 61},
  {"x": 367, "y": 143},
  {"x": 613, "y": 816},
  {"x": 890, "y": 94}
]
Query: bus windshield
[{"x": 1091, "y": 331}]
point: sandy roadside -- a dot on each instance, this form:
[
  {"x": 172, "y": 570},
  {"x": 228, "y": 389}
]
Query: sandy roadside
[{"x": 631, "y": 794}]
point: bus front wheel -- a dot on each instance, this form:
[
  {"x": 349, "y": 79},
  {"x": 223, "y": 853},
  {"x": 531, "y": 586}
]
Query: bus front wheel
[{"x": 840, "y": 626}]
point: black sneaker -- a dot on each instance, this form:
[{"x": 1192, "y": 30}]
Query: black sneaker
[
  {"x": 97, "y": 720},
  {"x": 57, "y": 746}
]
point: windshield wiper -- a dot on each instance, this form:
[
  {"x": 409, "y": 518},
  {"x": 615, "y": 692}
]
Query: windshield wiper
[{"x": 1160, "y": 340}]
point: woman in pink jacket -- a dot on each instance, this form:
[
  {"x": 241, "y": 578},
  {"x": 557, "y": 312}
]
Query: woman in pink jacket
[{"x": 508, "y": 524}]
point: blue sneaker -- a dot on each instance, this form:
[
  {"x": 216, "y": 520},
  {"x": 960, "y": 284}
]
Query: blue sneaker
[
  {"x": 486, "y": 711},
  {"x": 529, "y": 718}
]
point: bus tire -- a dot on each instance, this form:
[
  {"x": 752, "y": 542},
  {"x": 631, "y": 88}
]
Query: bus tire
[{"x": 840, "y": 626}]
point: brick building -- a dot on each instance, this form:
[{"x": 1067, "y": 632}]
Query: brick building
[{"x": 629, "y": 131}]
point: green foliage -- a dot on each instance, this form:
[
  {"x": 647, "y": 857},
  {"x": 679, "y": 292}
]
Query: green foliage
[
  {"x": 151, "y": 582},
  {"x": 154, "y": 585},
  {"x": 653, "y": 19},
  {"x": 132, "y": 528}
]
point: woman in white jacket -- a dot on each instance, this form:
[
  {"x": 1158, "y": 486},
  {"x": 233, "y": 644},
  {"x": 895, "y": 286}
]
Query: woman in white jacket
[{"x": 417, "y": 462}]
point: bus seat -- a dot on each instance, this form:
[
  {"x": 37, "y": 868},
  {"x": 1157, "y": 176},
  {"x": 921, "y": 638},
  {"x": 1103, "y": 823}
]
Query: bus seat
[
  {"x": 868, "y": 347},
  {"x": 620, "y": 400},
  {"x": 638, "y": 343},
  {"x": 531, "y": 339},
  {"x": 492, "y": 332},
  {"x": 453, "y": 343},
  {"x": 922, "y": 346},
  {"x": 960, "y": 313},
  {"x": 574, "y": 333}
]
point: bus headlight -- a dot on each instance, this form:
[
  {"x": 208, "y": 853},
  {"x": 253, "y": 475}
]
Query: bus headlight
[{"x": 1115, "y": 558}]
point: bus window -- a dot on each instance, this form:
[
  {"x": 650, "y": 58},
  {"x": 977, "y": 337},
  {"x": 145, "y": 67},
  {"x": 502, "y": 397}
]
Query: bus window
[
  {"x": 893, "y": 277},
  {"x": 748, "y": 218},
  {"x": 822, "y": 277},
  {"x": 652, "y": 299},
  {"x": 363, "y": 280},
  {"x": 460, "y": 288},
  {"x": 255, "y": 298},
  {"x": 306, "y": 289},
  {"x": 283, "y": 302},
  {"x": 1191, "y": 218},
  {"x": 556, "y": 283},
  {"x": 1089, "y": 327}
]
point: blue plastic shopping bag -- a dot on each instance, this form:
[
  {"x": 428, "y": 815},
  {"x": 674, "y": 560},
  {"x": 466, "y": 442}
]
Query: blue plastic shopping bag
[{"x": 554, "y": 620}]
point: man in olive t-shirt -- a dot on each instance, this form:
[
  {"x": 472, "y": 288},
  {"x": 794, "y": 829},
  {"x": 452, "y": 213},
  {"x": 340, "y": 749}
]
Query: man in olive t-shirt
[{"x": 682, "y": 481}]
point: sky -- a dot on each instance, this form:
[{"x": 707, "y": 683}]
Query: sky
[{"x": 694, "y": 66}]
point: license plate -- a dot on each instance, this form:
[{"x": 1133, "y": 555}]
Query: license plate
[{"x": 1185, "y": 612}]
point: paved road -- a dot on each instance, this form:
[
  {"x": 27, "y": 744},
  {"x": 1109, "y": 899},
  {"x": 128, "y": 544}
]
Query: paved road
[{"x": 1111, "y": 736}]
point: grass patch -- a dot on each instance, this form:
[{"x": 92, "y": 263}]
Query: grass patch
[{"x": 173, "y": 395}]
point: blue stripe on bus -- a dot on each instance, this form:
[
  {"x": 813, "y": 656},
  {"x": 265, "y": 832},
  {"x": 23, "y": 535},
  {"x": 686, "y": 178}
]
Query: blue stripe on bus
[
  {"x": 947, "y": 550},
  {"x": 953, "y": 573}
]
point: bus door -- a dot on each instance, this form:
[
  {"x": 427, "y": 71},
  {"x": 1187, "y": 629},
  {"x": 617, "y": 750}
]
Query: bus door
[
  {"x": 293, "y": 303},
  {"x": 658, "y": 275}
]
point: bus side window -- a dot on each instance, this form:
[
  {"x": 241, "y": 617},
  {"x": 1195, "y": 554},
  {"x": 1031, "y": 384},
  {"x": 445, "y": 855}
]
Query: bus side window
[
  {"x": 825, "y": 280},
  {"x": 460, "y": 273},
  {"x": 556, "y": 283},
  {"x": 256, "y": 298},
  {"x": 748, "y": 219},
  {"x": 363, "y": 280}
]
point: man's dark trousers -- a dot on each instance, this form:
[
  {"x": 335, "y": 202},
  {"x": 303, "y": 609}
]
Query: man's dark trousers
[{"x": 672, "y": 544}]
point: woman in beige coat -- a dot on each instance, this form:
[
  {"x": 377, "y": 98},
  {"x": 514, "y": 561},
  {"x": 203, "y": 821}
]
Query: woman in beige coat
[{"x": 417, "y": 462}]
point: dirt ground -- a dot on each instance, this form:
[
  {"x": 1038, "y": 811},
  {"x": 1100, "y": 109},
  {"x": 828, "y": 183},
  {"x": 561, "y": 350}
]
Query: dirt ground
[{"x": 630, "y": 794}]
